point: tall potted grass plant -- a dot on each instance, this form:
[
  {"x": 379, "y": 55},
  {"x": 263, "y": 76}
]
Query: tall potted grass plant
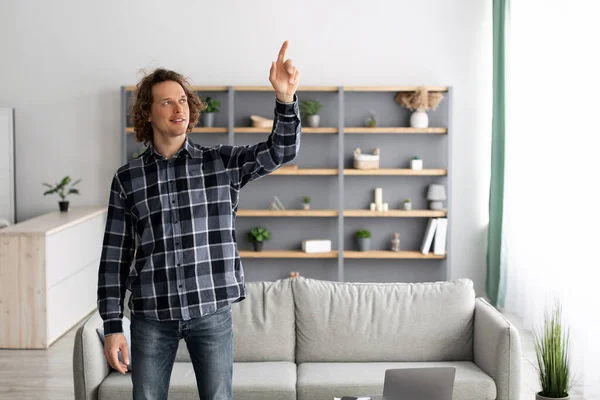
[{"x": 552, "y": 349}]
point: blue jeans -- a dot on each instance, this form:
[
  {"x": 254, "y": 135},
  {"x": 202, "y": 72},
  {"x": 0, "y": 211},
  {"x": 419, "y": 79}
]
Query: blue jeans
[{"x": 209, "y": 341}]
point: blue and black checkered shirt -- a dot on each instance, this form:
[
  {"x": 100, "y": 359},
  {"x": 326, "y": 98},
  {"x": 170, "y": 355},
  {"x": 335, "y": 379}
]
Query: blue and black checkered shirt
[{"x": 170, "y": 233}]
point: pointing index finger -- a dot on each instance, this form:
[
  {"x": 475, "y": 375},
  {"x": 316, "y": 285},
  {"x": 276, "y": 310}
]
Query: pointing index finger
[{"x": 284, "y": 47}]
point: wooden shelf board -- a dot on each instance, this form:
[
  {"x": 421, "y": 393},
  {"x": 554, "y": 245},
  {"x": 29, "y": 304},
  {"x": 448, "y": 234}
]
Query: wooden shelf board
[
  {"x": 404, "y": 130},
  {"x": 383, "y": 171},
  {"x": 396, "y": 213},
  {"x": 268, "y": 130},
  {"x": 392, "y": 88},
  {"x": 384, "y": 254},
  {"x": 132, "y": 88},
  {"x": 286, "y": 254},
  {"x": 300, "y": 89},
  {"x": 287, "y": 213},
  {"x": 194, "y": 88},
  {"x": 195, "y": 130},
  {"x": 305, "y": 171}
]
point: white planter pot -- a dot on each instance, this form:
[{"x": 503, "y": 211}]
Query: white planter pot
[
  {"x": 313, "y": 121},
  {"x": 416, "y": 164},
  {"x": 540, "y": 397},
  {"x": 419, "y": 119},
  {"x": 407, "y": 206}
]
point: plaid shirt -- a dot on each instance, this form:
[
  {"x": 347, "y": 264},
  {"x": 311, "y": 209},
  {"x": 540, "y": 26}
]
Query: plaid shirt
[{"x": 170, "y": 236}]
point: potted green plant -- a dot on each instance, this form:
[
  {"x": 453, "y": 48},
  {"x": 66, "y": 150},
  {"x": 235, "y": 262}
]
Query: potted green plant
[
  {"x": 63, "y": 189},
  {"x": 552, "y": 350},
  {"x": 258, "y": 236},
  {"x": 306, "y": 203},
  {"x": 363, "y": 239},
  {"x": 208, "y": 115},
  {"x": 407, "y": 205},
  {"x": 310, "y": 109},
  {"x": 416, "y": 163},
  {"x": 371, "y": 121}
]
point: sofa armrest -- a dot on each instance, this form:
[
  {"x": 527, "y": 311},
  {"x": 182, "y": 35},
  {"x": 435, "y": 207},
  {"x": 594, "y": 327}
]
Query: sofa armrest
[
  {"x": 497, "y": 349},
  {"x": 89, "y": 364}
]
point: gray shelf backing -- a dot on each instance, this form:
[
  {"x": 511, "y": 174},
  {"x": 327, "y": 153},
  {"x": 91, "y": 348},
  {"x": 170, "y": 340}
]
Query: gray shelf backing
[{"x": 336, "y": 192}]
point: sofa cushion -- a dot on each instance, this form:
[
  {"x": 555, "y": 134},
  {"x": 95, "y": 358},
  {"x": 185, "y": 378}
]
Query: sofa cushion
[
  {"x": 251, "y": 381},
  {"x": 264, "y": 328},
  {"x": 362, "y": 322},
  {"x": 329, "y": 380}
]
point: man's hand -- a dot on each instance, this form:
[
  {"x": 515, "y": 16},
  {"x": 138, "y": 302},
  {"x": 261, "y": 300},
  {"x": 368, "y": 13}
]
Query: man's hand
[
  {"x": 112, "y": 345},
  {"x": 284, "y": 76}
]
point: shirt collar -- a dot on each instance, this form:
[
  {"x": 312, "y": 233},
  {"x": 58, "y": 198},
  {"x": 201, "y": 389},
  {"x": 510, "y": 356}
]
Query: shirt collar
[{"x": 188, "y": 149}]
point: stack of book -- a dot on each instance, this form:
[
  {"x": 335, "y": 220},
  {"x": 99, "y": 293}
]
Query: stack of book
[{"x": 435, "y": 234}]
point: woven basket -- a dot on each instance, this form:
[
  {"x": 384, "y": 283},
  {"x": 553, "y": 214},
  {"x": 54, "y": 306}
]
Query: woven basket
[
  {"x": 366, "y": 161},
  {"x": 261, "y": 122}
]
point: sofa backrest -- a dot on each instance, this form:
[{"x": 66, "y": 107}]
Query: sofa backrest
[
  {"x": 363, "y": 322},
  {"x": 263, "y": 324}
]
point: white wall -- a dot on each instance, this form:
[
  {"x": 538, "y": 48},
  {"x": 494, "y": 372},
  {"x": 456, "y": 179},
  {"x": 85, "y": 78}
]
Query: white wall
[{"x": 64, "y": 61}]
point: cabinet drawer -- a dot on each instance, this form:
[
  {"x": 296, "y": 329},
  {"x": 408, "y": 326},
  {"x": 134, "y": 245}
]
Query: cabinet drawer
[
  {"x": 72, "y": 249},
  {"x": 71, "y": 300}
]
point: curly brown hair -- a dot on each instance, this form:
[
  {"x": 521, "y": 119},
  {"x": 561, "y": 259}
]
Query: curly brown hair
[{"x": 140, "y": 109}]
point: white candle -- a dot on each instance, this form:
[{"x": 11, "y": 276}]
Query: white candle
[
  {"x": 372, "y": 206},
  {"x": 378, "y": 196},
  {"x": 385, "y": 206}
]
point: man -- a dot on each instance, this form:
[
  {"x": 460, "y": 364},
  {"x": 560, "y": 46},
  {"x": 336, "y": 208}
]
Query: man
[{"x": 170, "y": 235}]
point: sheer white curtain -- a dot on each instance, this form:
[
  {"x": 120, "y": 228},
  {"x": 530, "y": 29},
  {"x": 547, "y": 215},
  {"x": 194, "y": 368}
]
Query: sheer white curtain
[{"x": 552, "y": 175}]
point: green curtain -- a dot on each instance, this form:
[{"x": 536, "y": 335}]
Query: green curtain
[{"x": 496, "y": 261}]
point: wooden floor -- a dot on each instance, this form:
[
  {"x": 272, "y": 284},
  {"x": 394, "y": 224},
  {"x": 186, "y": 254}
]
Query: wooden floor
[{"x": 47, "y": 374}]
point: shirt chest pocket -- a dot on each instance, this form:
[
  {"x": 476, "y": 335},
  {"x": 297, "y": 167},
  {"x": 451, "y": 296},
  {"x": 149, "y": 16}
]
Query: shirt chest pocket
[
  {"x": 208, "y": 187},
  {"x": 148, "y": 210}
]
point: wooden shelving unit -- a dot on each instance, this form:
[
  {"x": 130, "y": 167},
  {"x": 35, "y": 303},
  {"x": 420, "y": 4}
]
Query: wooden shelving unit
[
  {"x": 398, "y": 130},
  {"x": 347, "y": 213},
  {"x": 268, "y": 130},
  {"x": 382, "y": 254},
  {"x": 396, "y": 213},
  {"x": 287, "y": 213},
  {"x": 305, "y": 171},
  {"x": 285, "y": 254},
  {"x": 194, "y": 130},
  {"x": 396, "y": 172},
  {"x": 340, "y": 201},
  {"x": 373, "y": 254}
]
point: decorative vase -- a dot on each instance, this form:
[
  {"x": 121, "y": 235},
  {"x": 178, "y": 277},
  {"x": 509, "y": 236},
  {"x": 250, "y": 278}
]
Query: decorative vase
[
  {"x": 208, "y": 119},
  {"x": 258, "y": 246},
  {"x": 363, "y": 244},
  {"x": 538, "y": 396},
  {"x": 63, "y": 206},
  {"x": 419, "y": 119},
  {"x": 313, "y": 121},
  {"x": 396, "y": 242}
]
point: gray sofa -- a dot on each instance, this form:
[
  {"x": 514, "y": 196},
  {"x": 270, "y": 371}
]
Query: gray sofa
[{"x": 308, "y": 339}]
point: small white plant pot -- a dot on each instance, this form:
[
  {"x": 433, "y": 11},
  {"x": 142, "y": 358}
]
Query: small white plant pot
[
  {"x": 313, "y": 121},
  {"x": 538, "y": 396},
  {"x": 407, "y": 206},
  {"x": 306, "y": 206},
  {"x": 416, "y": 164},
  {"x": 419, "y": 119}
]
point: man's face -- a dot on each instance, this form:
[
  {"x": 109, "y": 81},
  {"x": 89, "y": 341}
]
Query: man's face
[{"x": 169, "y": 113}]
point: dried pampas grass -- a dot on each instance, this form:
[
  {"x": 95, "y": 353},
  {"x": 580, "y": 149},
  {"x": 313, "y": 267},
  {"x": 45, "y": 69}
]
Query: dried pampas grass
[{"x": 420, "y": 99}]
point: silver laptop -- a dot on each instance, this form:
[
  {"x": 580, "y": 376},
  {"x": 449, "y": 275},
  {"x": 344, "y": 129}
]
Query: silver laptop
[{"x": 424, "y": 383}]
